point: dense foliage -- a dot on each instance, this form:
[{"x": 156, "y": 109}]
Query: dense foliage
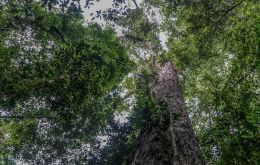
[
  {"x": 58, "y": 79},
  {"x": 62, "y": 82}
]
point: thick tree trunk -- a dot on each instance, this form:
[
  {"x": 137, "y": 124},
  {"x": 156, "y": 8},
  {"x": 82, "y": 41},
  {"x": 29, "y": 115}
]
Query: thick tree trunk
[{"x": 176, "y": 145}]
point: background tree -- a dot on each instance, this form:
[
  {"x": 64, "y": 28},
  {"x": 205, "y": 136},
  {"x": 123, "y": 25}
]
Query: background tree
[{"x": 58, "y": 82}]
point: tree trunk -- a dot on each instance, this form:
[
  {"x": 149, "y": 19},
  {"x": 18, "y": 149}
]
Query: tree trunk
[{"x": 176, "y": 145}]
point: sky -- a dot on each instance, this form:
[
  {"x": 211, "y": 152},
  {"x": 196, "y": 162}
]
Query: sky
[{"x": 101, "y": 5}]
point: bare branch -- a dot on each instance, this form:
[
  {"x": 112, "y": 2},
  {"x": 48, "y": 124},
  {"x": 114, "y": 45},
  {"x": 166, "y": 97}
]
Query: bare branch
[
  {"x": 230, "y": 9},
  {"x": 136, "y": 5}
]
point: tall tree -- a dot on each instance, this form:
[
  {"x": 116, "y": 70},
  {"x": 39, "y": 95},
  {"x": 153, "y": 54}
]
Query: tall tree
[
  {"x": 216, "y": 45},
  {"x": 62, "y": 82},
  {"x": 175, "y": 142}
]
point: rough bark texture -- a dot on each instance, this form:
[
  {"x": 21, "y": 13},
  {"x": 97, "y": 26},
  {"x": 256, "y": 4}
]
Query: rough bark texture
[{"x": 176, "y": 145}]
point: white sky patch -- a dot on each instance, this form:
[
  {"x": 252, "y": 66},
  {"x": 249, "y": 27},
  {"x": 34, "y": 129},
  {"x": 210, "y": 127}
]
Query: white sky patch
[
  {"x": 101, "y": 5},
  {"x": 103, "y": 139},
  {"x": 121, "y": 117},
  {"x": 163, "y": 39},
  {"x": 18, "y": 162}
]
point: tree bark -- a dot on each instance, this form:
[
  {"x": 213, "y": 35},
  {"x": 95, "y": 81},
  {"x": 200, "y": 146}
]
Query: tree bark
[{"x": 176, "y": 145}]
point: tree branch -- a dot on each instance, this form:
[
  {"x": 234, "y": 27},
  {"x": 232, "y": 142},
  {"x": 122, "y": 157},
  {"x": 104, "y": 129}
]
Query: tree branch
[
  {"x": 232, "y": 8},
  {"x": 136, "y": 5},
  {"x": 131, "y": 38},
  {"x": 128, "y": 95}
]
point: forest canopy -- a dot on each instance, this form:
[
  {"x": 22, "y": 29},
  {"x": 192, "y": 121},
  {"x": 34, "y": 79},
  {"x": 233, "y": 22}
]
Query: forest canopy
[{"x": 157, "y": 82}]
